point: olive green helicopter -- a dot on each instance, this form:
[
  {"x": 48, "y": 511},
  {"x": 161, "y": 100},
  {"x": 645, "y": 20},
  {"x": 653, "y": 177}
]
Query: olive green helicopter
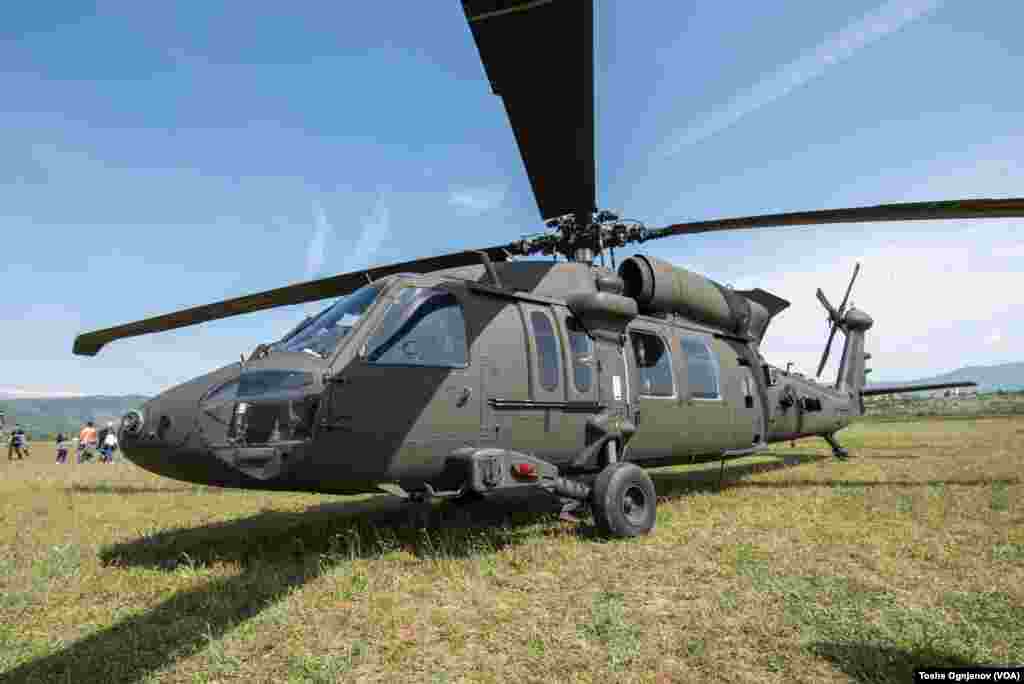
[{"x": 480, "y": 371}]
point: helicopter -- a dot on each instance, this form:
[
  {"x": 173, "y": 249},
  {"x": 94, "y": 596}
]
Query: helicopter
[{"x": 463, "y": 374}]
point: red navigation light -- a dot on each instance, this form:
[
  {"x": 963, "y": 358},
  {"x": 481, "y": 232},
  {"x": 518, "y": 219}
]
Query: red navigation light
[{"x": 524, "y": 470}]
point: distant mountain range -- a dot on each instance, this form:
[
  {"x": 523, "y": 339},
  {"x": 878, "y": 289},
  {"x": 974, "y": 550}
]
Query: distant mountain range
[
  {"x": 19, "y": 393},
  {"x": 41, "y": 417},
  {"x": 1005, "y": 376}
]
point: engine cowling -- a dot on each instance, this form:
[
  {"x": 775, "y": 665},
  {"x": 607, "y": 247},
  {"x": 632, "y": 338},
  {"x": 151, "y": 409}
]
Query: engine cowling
[{"x": 661, "y": 288}]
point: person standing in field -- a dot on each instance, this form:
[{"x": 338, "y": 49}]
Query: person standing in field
[
  {"x": 109, "y": 444},
  {"x": 62, "y": 448},
  {"x": 86, "y": 442},
  {"x": 18, "y": 444}
]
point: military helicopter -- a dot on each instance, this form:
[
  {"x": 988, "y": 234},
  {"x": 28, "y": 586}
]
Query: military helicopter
[{"x": 478, "y": 371}]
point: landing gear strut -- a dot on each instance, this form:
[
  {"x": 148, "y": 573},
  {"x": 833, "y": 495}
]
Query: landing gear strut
[{"x": 837, "y": 451}]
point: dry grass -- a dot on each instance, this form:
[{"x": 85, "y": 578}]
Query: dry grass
[{"x": 800, "y": 569}]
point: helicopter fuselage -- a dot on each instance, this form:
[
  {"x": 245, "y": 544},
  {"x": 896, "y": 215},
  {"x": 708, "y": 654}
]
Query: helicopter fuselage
[{"x": 430, "y": 365}]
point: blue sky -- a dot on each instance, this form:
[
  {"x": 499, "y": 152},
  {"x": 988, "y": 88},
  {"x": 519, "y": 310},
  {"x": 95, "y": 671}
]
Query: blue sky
[{"x": 162, "y": 156}]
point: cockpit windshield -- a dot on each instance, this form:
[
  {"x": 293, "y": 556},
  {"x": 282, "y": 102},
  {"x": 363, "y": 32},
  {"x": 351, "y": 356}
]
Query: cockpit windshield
[{"x": 321, "y": 334}]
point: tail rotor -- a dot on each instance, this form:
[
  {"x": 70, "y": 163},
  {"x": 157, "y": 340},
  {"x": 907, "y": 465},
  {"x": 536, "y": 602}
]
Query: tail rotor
[{"x": 835, "y": 317}]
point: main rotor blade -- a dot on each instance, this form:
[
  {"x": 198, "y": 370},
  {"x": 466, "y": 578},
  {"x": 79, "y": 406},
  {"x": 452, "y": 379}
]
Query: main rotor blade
[
  {"x": 909, "y": 211},
  {"x": 539, "y": 57},
  {"x": 856, "y": 270},
  {"x": 828, "y": 348},
  {"x": 88, "y": 344}
]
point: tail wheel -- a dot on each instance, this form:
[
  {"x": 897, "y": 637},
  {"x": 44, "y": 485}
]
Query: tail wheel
[{"x": 624, "y": 500}]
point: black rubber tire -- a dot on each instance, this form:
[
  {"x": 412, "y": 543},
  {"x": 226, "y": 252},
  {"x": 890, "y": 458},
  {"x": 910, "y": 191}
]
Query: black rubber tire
[{"x": 624, "y": 500}]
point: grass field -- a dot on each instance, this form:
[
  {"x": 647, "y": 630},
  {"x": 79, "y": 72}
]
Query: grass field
[{"x": 800, "y": 568}]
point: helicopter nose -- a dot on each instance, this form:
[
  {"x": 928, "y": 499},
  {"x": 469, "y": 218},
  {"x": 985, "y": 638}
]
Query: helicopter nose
[
  {"x": 188, "y": 432},
  {"x": 163, "y": 437},
  {"x": 184, "y": 463}
]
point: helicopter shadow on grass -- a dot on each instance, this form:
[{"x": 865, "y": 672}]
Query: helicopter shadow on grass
[
  {"x": 670, "y": 484},
  {"x": 277, "y": 552},
  {"x": 867, "y": 662}
]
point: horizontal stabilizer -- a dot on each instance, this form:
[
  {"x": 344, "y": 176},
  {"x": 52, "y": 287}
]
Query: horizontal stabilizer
[{"x": 896, "y": 389}]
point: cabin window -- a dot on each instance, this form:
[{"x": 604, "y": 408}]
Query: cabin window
[
  {"x": 701, "y": 368},
  {"x": 424, "y": 327},
  {"x": 653, "y": 364},
  {"x": 547, "y": 349},
  {"x": 582, "y": 348}
]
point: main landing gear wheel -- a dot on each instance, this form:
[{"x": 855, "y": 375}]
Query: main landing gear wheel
[{"x": 623, "y": 500}]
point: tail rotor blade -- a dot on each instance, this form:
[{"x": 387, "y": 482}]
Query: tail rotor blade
[
  {"x": 828, "y": 347},
  {"x": 833, "y": 314},
  {"x": 856, "y": 270}
]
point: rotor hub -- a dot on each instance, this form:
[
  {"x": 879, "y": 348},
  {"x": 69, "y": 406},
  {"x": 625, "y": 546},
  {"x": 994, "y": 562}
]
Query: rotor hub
[{"x": 581, "y": 237}]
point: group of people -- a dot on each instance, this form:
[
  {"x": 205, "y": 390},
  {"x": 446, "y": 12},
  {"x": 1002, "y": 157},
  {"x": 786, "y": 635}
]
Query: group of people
[{"x": 90, "y": 440}]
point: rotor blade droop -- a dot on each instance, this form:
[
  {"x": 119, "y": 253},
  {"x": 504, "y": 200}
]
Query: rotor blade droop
[{"x": 88, "y": 344}]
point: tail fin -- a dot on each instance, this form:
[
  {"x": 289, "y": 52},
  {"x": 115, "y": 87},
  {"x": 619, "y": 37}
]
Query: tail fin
[{"x": 855, "y": 323}]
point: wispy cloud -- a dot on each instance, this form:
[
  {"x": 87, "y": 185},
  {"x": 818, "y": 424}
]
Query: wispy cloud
[
  {"x": 317, "y": 250},
  {"x": 887, "y": 19},
  {"x": 376, "y": 230},
  {"x": 476, "y": 201}
]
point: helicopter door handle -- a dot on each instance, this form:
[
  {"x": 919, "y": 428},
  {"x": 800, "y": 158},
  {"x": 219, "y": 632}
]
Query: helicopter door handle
[{"x": 464, "y": 396}]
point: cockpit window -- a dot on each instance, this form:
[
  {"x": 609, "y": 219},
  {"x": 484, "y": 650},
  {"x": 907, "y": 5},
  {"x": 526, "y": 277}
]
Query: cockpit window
[
  {"x": 226, "y": 392},
  {"x": 424, "y": 327},
  {"x": 262, "y": 382},
  {"x": 321, "y": 335}
]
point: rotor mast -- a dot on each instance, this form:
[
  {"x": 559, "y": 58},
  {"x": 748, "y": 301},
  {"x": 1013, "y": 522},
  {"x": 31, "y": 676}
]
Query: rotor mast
[{"x": 582, "y": 252}]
